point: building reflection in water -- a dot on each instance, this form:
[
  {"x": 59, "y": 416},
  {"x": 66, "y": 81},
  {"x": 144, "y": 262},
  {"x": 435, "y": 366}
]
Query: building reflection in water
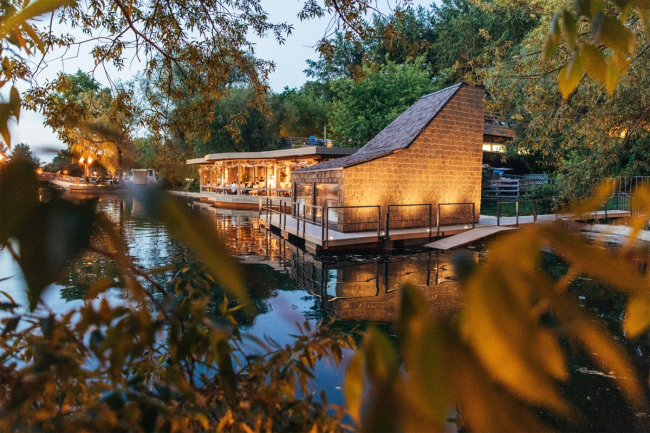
[{"x": 349, "y": 287}]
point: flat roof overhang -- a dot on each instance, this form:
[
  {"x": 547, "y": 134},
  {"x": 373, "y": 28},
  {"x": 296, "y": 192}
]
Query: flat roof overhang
[
  {"x": 307, "y": 151},
  {"x": 494, "y": 130}
]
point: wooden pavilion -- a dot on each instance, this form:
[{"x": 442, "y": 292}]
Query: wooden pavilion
[{"x": 240, "y": 179}]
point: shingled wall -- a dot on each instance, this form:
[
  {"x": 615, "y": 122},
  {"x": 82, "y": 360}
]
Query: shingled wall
[{"x": 442, "y": 165}]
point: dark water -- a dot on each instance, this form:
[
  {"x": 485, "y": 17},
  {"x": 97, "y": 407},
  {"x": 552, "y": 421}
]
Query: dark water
[
  {"x": 287, "y": 285},
  {"x": 290, "y": 287}
]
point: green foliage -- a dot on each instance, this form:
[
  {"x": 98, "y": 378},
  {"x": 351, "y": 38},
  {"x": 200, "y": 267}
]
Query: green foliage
[
  {"x": 64, "y": 160},
  {"x": 364, "y": 108},
  {"x": 22, "y": 152},
  {"x": 452, "y": 38}
]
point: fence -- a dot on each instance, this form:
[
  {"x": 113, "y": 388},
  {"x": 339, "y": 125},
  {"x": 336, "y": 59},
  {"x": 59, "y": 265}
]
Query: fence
[
  {"x": 502, "y": 207},
  {"x": 629, "y": 185}
]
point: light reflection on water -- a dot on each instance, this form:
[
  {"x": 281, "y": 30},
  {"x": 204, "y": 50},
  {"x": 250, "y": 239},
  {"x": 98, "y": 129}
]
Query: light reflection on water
[
  {"x": 295, "y": 286},
  {"x": 288, "y": 285}
]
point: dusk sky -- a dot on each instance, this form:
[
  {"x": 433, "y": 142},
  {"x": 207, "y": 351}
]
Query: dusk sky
[{"x": 289, "y": 60}]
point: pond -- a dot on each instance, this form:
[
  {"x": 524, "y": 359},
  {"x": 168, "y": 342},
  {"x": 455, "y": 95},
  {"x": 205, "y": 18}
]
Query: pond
[{"x": 289, "y": 287}]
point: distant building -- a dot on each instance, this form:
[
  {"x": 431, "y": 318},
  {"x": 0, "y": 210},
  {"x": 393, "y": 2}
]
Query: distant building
[
  {"x": 430, "y": 154},
  {"x": 239, "y": 179},
  {"x": 143, "y": 176}
]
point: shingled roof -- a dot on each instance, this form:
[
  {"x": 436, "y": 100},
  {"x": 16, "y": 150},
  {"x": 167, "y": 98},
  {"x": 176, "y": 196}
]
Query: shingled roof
[{"x": 400, "y": 134}]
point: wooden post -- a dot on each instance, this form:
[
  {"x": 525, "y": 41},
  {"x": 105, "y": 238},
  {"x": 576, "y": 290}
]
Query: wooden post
[
  {"x": 313, "y": 201},
  {"x": 239, "y": 178},
  {"x": 517, "y": 211}
]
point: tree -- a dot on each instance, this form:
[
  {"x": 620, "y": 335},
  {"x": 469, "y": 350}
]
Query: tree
[
  {"x": 95, "y": 122},
  {"x": 363, "y": 109},
  {"x": 22, "y": 152},
  {"x": 305, "y": 110},
  {"x": 589, "y": 136}
]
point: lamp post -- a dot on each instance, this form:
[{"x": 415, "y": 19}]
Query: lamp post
[{"x": 86, "y": 162}]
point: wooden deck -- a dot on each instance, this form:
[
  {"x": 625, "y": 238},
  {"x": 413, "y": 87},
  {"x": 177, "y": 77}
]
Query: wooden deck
[
  {"x": 467, "y": 237},
  {"x": 317, "y": 239},
  {"x": 68, "y": 186}
]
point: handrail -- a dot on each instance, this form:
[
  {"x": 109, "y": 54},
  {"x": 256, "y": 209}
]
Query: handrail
[
  {"x": 455, "y": 204},
  {"x": 238, "y": 190},
  {"x": 387, "y": 231},
  {"x": 353, "y": 207}
]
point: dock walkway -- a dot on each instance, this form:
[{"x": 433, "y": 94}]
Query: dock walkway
[
  {"x": 317, "y": 237},
  {"x": 467, "y": 237}
]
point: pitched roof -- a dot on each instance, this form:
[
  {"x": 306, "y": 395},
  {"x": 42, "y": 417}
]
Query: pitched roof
[{"x": 399, "y": 134}]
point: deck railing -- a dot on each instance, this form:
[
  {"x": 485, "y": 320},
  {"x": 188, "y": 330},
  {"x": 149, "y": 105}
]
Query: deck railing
[
  {"x": 503, "y": 207},
  {"x": 428, "y": 217},
  {"x": 263, "y": 192},
  {"x": 328, "y": 209},
  {"x": 466, "y": 204}
]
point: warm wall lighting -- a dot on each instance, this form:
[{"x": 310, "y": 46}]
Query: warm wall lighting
[
  {"x": 90, "y": 160},
  {"x": 81, "y": 160}
]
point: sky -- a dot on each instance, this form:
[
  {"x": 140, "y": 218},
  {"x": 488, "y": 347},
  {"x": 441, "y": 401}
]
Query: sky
[{"x": 290, "y": 60}]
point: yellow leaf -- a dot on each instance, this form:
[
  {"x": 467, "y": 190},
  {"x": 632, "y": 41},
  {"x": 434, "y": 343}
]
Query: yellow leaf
[
  {"x": 484, "y": 405},
  {"x": 31, "y": 11},
  {"x": 569, "y": 29},
  {"x": 637, "y": 315},
  {"x": 570, "y": 75},
  {"x": 594, "y": 62},
  {"x": 501, "y": 333},
  {"x": 552, "y": 39}
]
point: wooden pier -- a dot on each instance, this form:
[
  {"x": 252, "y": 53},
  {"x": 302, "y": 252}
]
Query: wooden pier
[{"x": 320, "y": 237}]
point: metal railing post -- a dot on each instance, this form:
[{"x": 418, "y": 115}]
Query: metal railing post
[
  {"x": 438, "y": 221},
  {"x": 534, "y": 211},
  {"x": 498, "y": 212},
  {"x": 430, "y": 220},
  {"x": 378, "y": 223},
  {"x": 606, "y": 206},
  {"x": 517, "y": 212},
  {"x": 304, "y": 219},
  {"x": 327, "y": 227},
  {"x": 617, "y": 201},
  {"x": 473, "y": 216},
  {"x": 298, "y": 219},
  {"x": 322, "y": 228},
  {"x": 386, "y": 237}
]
